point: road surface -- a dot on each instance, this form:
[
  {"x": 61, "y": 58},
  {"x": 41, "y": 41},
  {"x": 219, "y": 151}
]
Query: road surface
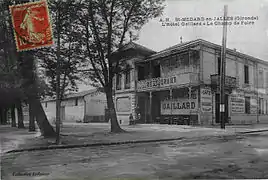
[{"x": 233, "y": 157}]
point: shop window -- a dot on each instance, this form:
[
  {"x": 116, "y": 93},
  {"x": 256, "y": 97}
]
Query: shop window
[{"x": 247, "y": 105}]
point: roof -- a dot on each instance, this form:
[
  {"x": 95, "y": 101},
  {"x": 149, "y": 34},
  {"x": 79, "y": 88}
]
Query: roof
[
  {"x": 133, "y": 45},
  {"x": 186, "y": 45},
  {"x": 80, "y": 94},
  {"x": 172, "y": 49},
  {"x": 74, "y": 95}
]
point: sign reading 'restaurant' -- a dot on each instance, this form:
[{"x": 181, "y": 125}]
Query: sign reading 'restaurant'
[
  {"x": 178, "y": 106},
  {"x": 157, "y": 82}
]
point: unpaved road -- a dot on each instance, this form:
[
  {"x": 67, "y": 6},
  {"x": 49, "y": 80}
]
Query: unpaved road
[{"x": 234, "y": 157}]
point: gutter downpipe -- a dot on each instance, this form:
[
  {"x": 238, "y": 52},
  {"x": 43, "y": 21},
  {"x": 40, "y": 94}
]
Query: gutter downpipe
[
  {"x": 85, "y": 107},
  {"x": 256, "y": 91}
]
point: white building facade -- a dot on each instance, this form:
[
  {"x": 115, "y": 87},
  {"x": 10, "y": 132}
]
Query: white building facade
[
  {"x": 86, "y": 106},
  {"x": 180, "y": 85}
]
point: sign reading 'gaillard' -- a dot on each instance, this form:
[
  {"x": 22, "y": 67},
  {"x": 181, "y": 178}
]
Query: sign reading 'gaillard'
[
  {"x": 184, "y": 105},
  {"x": 178, "y": 106}
]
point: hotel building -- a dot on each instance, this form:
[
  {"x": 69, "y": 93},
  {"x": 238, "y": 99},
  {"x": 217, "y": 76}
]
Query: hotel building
[{"x": 182, "y": 83}]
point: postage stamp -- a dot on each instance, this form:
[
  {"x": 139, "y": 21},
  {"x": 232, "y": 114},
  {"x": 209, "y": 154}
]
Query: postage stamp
[{"x": 31, "y": 24}]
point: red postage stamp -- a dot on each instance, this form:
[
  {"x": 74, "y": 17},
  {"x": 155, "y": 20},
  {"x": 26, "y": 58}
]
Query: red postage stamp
[{"x": 32, "y": 27}]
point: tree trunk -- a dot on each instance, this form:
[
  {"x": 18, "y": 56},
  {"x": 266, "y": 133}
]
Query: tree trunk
[
  {"x": 27, "y": 70},
  {"x": 20, "y": 115},
  {"x": 31, "y": 118},
  {"x": 13, "y": 116},
  {"x": 1, "y": 118},
  {"x": 3, "y": 114},
  {"x": 41, "y": 119},
  {"x": 115, "y": 127}
]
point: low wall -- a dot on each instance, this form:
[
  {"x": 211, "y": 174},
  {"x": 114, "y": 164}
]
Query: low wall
[{"x": 244, "y": 119}]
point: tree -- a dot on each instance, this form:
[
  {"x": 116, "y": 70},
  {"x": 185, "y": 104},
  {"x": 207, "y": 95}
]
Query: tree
[
  {"x": 25, "y": 68},
  {"x": 61, "y": 62},
  {"x": 105, "y": 24},
  {"x": 10, "y": 79}
]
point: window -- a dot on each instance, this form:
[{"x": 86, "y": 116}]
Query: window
[
  {"x": 118, "y": 81},
  {"x": 261, "y": 106},
  {"x": 261, "y": 79},
  {"x": 178, "y": 61},
  {"x": 246, "y": 74},
  {"x": 127, "y": 79},
  {"x": 266, "y": 80},
  {"x": 173, "y": 61},
  {"x": 185, "y": 59},
  {"x": 266, "y": 106},
  {"x": 141, "y": 74},
  {"x": 76, "y": 101},
  {"x": 157, "y": 72},
  {"x": 46, "y": 104},
  {"x": 123, "y": 104},
  {"x": 219, "y": 65},
  {"x": 247, "y": 105}
]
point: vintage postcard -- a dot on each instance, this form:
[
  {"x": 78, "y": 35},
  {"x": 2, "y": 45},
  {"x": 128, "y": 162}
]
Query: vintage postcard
[
  {"x": 167, "y": 90},
  {"x": 32, "y": 27}
]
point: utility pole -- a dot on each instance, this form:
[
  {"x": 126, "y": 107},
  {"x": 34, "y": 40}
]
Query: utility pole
[
  {"x": 58, "y": 101},
  {"x": 222, "y": 74}
]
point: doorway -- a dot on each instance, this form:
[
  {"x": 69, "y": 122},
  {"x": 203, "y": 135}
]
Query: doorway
[
  {"x": 156, "y": 106},
  {"x": 226, "y": 108},
  {"x": 142, "y": 109}
]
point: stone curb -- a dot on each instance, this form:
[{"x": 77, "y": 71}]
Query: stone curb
[
  {"x": 90, "y": 145},
  {"x": 256, "y": 131},
  {"x": 111, "y": 143}
]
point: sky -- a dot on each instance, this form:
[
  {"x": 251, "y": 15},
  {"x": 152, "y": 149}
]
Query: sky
[{"x": 248, "y": 39}]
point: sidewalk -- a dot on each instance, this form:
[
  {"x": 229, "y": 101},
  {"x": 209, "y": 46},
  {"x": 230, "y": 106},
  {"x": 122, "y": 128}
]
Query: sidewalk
[{"x": 81, "y": 135}]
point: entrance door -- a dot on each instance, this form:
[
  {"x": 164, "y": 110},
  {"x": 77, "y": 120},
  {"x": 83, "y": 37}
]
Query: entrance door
[
  {"x": 142, "y": 108},
  {"x": 226, "y": 110},
  {"x": 156, "y": 107}
]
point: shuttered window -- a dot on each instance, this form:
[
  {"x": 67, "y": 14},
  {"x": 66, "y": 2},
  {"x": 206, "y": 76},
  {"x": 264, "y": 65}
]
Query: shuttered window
[
  {"x": 246, "y": 74},
  {"x": 247, "y": 105}
]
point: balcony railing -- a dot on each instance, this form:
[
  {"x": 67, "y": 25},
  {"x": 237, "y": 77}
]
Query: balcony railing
[
  {"x": 230, "y": 82},
  {"x": 162, "y": 82}
]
